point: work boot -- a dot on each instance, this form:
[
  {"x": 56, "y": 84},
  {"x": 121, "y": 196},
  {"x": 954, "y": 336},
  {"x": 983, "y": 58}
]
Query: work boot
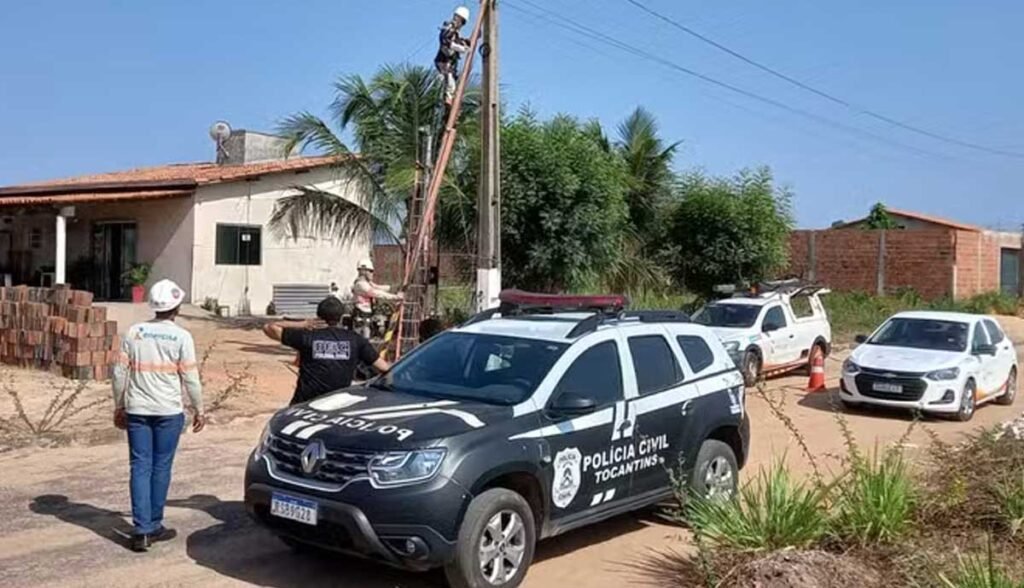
[
  {"x": 140, "y": 543},
  {"x": 163, "y": 534}
]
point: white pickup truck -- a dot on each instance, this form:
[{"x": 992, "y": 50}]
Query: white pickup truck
[{"x": 780, "y": 329}]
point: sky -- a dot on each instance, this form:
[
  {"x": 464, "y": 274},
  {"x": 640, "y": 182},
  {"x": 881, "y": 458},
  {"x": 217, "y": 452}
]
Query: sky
[{"x": 91, "y": 86}]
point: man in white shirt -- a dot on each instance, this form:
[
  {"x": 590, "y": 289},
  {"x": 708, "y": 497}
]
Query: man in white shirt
[{"x": 157, "y": 363}]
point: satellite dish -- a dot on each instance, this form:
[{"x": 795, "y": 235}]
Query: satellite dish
[{"x": 220, "y": 131}]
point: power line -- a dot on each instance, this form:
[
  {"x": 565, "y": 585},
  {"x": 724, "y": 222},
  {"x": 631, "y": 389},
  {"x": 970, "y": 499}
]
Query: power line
[
  {"x": 569, "y": 24},
  {"x": 821, "y": 93}
]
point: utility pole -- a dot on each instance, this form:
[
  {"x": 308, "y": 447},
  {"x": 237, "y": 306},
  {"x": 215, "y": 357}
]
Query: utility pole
[{"x": 488, "y": 272}]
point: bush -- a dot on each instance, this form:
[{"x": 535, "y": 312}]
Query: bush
[
  {"x": 979, "y": 572},
  {"x": 1010, "y": 500},
  {"x": 771, "y": 512},
  {"x": 875, "y": 503}
]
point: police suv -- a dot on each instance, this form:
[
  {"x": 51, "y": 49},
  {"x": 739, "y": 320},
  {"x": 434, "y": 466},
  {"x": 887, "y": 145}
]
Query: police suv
[
  {"x": 780, "y": 327},
  {"x": 532, "y": 419}
]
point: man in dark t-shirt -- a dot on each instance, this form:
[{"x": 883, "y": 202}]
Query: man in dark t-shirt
[{"x": 328, "y": 356}]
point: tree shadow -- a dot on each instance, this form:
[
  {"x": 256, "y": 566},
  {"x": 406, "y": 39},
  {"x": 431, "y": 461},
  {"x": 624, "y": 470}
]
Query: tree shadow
[
  {"x": 108, "y": 524},
  {"x": 828, "y": 401}
]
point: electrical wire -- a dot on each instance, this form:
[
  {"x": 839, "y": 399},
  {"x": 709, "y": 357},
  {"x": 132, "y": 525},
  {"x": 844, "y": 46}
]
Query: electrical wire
[
  {"x": 820, "y": 93},
  {"x": 580, "y": 29}
]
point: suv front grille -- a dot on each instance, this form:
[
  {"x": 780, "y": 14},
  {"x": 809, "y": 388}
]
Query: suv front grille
[
  {"x": 339, "y": 467},
  {"x": 913, "y": 385}
]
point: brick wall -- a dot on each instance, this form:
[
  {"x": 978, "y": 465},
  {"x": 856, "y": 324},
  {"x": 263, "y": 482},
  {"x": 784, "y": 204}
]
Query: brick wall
[
  {"x": 848, "y": 259},
  {"x": 978, "y": 259}
]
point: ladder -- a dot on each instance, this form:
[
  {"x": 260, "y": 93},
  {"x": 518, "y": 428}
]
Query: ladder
[{"x": 421, "y": 215}]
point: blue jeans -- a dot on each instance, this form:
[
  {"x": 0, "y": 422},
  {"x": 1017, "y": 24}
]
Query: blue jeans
[{"x": 152, "y": 441}]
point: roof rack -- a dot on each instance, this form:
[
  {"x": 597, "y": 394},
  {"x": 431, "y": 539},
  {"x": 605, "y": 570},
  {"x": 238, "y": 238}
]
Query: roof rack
[
  {"x": 604, "y": 309},
  {"x": 791, "y": 287}
]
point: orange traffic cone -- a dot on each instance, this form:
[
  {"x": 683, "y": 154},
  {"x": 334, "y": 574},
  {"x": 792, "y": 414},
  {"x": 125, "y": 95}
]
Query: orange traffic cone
[{"x": 817, "y": 381}]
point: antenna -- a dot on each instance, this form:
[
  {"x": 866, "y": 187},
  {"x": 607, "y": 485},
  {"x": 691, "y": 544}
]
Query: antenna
[{"x": 219, "y": 132}]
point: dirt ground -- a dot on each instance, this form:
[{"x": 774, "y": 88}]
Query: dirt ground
[{"x": 64, "y": 490}]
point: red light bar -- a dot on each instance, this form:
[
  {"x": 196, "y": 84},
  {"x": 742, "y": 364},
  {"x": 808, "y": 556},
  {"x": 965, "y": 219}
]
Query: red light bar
[{"x": 518, "y": 297}]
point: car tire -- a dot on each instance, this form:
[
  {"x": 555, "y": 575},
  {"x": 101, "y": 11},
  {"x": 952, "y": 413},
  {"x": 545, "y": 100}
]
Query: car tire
[
  {"x": 489, "y": 527},
  {"x": 1007, "y": 398},
  {"x": 751, "y": 368},
  {"x": 967, "y": 403},
  {"x": 715, "y": 473}
]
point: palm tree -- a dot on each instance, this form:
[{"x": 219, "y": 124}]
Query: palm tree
[
  {"x": 649, "y": 165},
  {"x": 386, "y": 117}
]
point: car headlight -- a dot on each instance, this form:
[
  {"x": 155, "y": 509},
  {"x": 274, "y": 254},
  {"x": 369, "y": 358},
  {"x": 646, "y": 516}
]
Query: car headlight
[
  {"x": 732, "y": 346},
  {"x": 405, "y": 467},
  {"x": 946, "y": 374},
  {"x": 263, "y": 444},
  {"x": 850, "y": 368}
]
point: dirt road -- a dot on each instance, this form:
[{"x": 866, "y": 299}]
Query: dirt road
[{"x": 62, "y": 509}]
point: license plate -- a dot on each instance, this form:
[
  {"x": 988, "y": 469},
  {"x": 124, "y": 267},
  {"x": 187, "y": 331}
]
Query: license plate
[
  {"x": 293, "y": 509},
  {"x": 887, "y": 387}
]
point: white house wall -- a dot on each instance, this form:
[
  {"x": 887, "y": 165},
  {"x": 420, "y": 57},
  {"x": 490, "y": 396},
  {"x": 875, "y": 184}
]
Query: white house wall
[{"x": 306, "y": 259}]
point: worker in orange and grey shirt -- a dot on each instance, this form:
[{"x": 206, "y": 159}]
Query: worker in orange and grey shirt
[
  {"x": 157, "y": 363},
  {"x": 365, "y": 291}
]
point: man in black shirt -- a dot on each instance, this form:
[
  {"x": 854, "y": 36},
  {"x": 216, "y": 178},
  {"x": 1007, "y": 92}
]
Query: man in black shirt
[
  {"x": 451, "y": 46},
  {"x": 328, "y": 356}
]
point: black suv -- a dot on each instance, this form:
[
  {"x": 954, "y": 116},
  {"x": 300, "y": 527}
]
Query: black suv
[{"x": 526, "y": 422}]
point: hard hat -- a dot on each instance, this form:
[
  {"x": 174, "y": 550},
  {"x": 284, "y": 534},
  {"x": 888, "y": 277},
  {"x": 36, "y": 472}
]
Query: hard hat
[
  {"x": 365, "y": 264},
  {"x": 165, "y": 296},
  {"x": 463, "y": 12}
]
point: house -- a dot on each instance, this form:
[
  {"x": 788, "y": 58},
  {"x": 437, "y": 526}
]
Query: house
[
  {"x": 203, "y": 225},
  {"x": 935, "y": 257}
]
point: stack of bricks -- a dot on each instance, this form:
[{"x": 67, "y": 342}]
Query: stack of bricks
[{"x": 57, "y": 329}]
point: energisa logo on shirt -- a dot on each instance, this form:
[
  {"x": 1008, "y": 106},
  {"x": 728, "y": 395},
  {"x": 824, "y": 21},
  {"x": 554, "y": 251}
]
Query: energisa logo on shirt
[{"x": 332, "y": 350}]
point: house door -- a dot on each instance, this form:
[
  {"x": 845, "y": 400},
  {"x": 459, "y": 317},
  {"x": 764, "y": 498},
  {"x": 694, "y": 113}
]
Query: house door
[
  {"x": 113, "y": 251},
  {"x": 1009, "y": 271}
]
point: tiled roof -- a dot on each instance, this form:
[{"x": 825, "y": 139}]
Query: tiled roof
[
  {"x": 162, "y": 178},
  {"x": 83, "y": 197},
  {"x": 927, "y": 218}
]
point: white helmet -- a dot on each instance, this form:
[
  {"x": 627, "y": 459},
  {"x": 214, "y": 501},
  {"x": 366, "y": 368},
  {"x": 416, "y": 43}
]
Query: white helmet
[
  {"x": 463, "y": 12},
  {"x": 365, "y": 264},
  {"x": 165, "y": 296}
]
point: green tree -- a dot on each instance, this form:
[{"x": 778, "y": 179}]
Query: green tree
[
  {"x": 729, "y": 230},
  {"x": 386, "y": 117},
  {"x": 563, "y": 204},
  {"x": 649, "y": 167},
  {"x": 879, "y": 218}
]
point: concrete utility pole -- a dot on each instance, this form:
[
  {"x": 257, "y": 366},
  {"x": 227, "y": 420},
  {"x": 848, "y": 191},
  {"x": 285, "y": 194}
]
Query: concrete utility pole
[{"x": 488, "y": 272}]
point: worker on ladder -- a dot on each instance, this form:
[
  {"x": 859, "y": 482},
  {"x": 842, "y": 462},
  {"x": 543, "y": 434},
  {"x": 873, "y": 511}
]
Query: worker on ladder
[
  {"x": 452, "y": 46},
  {"x": 366, "y": 291}
]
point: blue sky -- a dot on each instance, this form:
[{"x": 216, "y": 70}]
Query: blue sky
[{"x": 96, "y": 86}]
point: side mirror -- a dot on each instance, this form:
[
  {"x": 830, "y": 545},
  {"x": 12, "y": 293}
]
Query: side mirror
[
  {"x": 984, "y": 350},
  {"x": 861, "y": 339},
  {"x": 571, "y": 405},
  {"x": 769, "y": 327}
]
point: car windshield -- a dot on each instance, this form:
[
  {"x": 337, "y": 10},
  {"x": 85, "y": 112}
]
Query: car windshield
[
  {"x": 922, "y": 334},
  {"x": 478, "y": 367},
  {"x": 733, "y": 316}
]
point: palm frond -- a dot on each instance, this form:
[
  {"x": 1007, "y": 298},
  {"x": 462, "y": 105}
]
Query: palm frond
[{"x": 312, "y": 212}]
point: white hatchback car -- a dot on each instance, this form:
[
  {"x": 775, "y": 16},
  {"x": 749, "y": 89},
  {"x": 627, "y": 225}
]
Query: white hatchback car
[{"x": 937, "y": 362}]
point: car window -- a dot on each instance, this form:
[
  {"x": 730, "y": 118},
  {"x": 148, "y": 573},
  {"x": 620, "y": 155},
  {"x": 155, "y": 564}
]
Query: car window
[
  {"x": 654, "y": 363},
  {"x": 697, "y": 353},
  {"x": 801, "y": 306},
  {"x": 979, "y": 339},
  {"x": 995, "y": 334},
  {"x": 729, "y": 316},
  {"x": 774, "y": 318},
  {"x": 596, "y": 374},
  {"x": 485, "y": 368},
  {"x": 922, "y": 334}
]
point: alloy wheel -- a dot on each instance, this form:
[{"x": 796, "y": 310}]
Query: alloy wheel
[
  {"x": 502, "y": 547},
  {"x": 719, "y": 479}
]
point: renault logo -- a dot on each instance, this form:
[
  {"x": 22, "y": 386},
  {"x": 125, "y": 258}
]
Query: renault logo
[{"x": 312, "y": 455}]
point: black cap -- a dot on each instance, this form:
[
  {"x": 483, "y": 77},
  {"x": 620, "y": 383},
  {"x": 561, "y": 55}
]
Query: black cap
[{"x": 330, "y": 310}]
